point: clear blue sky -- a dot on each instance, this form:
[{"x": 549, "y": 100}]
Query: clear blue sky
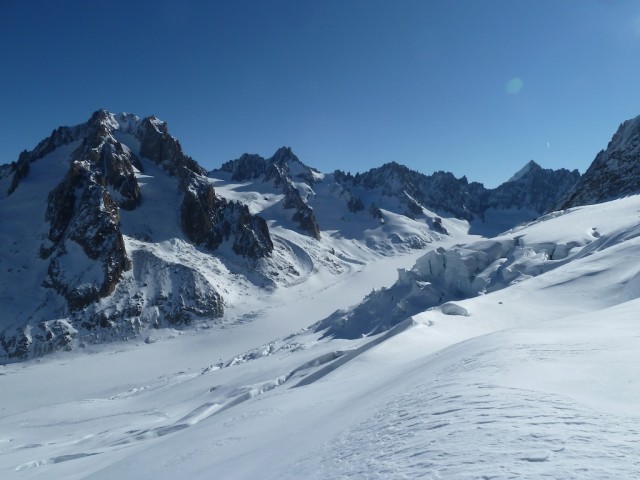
[{"x": 474, "y": 87}]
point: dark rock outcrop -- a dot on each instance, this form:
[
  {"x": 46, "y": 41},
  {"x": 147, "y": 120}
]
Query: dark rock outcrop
[
  {"x": 615, "y": 172},
  {"x": 157, "y": 145},
  {"x": 83, "y": 258},
  {"x": 534, "y": 188},
  {"x": 83, "y": 215},
  {"x": 280, "y": 170},
  {"x": 247, "y": 167},
  {"x": 440, "y": 191},
  {"x": 209, "y": 220}
]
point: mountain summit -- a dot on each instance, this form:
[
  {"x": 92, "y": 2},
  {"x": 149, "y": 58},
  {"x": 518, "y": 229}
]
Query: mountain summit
[
  {"x": 527, "y": 169},
  {"x": 83, "y": 211}
]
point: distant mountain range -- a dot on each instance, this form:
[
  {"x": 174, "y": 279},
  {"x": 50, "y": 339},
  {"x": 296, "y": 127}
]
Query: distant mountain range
[{"x": 109, "y": 229}]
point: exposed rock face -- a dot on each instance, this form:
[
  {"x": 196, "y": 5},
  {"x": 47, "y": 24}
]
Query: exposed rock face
[
  {"x": 247, "y": 167},
  {"x": 181, "y": 294},
  {"x": 156, "y": 144},
  {"x": 282, "y": 170},
  {"x": 46, "y": 337},
  {"x": 165, "y": 294},
  {"x": 533, "y": 188},
  {"x": 440, "y": 191},
  {"x": 85, "y": 246},
  {"x": 615, "y": 172},
  {"x": 86, "y": 268},
  {"x": 208, "y": 220}
]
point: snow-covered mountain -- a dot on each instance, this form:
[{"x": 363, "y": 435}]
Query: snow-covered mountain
[
  {"x": 92, "y": 219},
  {"x": 111, "y": 229},
  {"x": 366, "y": 198},
  {"x": 533, "y": 188},
  {"x": 503, "y": 356},
  {"x": 615, "y": 171}
]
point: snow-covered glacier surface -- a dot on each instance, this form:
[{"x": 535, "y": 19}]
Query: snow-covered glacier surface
[{"x": 508, "y": 357}]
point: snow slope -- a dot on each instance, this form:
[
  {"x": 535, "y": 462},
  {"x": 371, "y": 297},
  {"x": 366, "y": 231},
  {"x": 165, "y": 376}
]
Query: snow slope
[{"x": 534, "y": 375}]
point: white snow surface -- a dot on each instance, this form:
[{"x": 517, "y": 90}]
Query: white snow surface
[{"x": 530, "y": 372}]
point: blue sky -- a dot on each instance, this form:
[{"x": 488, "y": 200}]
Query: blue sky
[{"x": 474, "y": 87}]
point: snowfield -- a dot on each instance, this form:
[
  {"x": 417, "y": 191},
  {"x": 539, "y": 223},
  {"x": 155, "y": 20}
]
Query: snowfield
[{"x": 510, "y": 357}]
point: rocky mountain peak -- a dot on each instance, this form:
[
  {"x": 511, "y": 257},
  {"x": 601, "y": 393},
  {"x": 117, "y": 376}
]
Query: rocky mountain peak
[
  {"x": 530, "y": 167},
  {"x": 441, "y": 191},
  {"x": 627, "y": 133},
  {"x": 533, "y": 188},
  {"x": 82, "y": 183},
  {"x": 285, "y": 172},
  {"x": 614, "y": 172},
  {"x": 284, "y": 155}
]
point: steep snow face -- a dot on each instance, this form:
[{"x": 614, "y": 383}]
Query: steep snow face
[{"x": 615, "y": 171}]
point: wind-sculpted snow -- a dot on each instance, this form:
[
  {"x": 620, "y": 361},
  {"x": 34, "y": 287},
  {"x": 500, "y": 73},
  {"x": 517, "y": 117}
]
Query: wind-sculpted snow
[{"x": 484, "y": 414}]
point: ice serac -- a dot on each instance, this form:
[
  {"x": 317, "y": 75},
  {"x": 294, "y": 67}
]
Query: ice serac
[
  {"x": 615, "y": 172},
  {"x": 444, "y": 275},
  {"x": 438, "y": 277}
]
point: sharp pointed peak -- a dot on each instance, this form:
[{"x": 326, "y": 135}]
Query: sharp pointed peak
[{"x": 529, "y": 166}]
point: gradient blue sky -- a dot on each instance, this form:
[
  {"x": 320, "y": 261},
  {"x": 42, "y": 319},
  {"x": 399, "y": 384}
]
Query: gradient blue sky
[{"x": 474, "y": 87}]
